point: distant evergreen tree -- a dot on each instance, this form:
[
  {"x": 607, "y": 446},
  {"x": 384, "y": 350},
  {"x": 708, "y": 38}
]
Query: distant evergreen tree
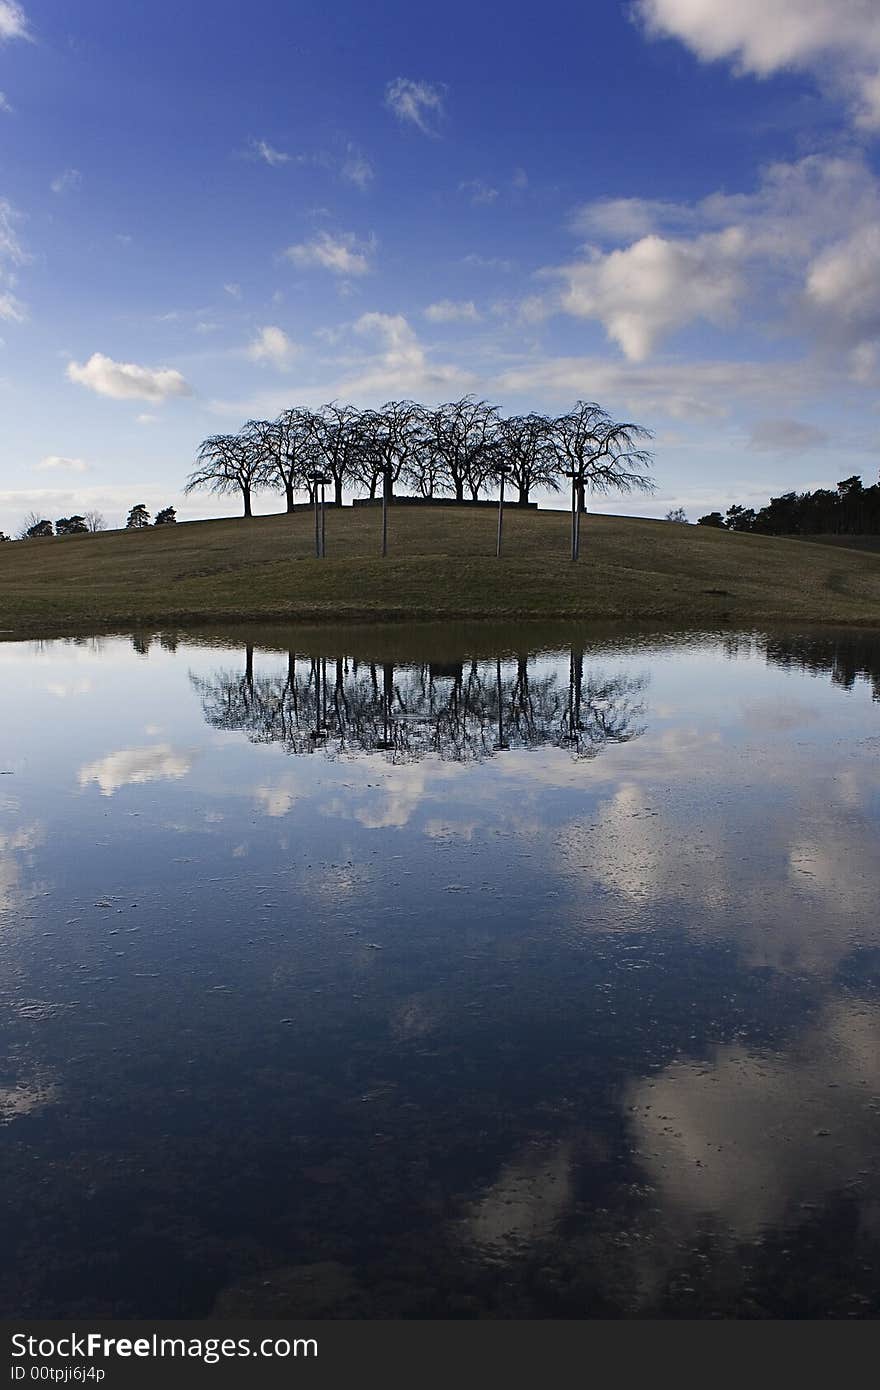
[
  {"x": 712, "y": 519},
  {"x": 70, "y": 526},
  {"x": 137, "y": 517},
  {"x": 39, "y": 528},
  {"x": 166, "y": 517}
]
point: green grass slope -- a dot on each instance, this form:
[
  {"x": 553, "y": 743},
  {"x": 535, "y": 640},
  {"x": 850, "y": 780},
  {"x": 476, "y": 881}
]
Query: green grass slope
[{"x": 441, "y": 564}]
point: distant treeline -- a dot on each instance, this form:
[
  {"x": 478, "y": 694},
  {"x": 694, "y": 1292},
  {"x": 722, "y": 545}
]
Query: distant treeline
[
  {"x": 35, "y": 527},
  {"x": 851, "y": 510}
]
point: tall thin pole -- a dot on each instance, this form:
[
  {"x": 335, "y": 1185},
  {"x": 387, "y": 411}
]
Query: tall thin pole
[
  {"x": 574, "y": 534},
  {"x": 384, "y": 516},
  {"x": 500, "y": 516},
  {"x": 323, "y": 524},
  {"x": 317, "y": 531}
]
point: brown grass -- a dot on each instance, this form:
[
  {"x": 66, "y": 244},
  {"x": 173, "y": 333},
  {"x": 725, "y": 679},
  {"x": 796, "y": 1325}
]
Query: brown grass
[{"x": 441, "y": 565}]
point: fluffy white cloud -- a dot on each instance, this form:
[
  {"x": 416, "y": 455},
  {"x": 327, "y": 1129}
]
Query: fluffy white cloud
[
  {"x": 13, "y": 21},
  {"x": 134, "y": 766},
  {"x": 836, "y": 40},
  {"x": 844, "y": 281},
  {"x": 416, "y": 103},
  {"x": 402, "y": 367},
  {"x": 656, "y": 285},
  {"x": 809, "y": 235},
  {"x": 785, "y": 437},
  {"x": 126, "y": 380},
  {"x": 57, "y": 463},
  {"x": 452, "y": 311},
  {"x": 343, "y": 254},
  {"x": 356, "y": 169},
  {"x": 4, "y": 102},
  {"x": 70, "y": 181},
  {"x": 272, "y": 345},
  {"x": 263, "y": 150}
]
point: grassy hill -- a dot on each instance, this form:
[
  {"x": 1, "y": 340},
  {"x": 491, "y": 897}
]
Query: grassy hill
[{"x": 441, "y": 564}]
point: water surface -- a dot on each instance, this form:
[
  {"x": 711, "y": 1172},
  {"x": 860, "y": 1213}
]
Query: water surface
[{"x": 471, "y": 974}]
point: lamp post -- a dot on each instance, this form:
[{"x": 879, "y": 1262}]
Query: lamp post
[
  {"x": 319, "y": 480},
  {"x": 575, "y": 518},
  {"x": 501, "y": 475}
]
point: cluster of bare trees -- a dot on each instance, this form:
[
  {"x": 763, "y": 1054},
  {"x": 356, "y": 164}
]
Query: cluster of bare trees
[
  {"x": 461, "y": 450},
  {"x": 461, "y": 712}
]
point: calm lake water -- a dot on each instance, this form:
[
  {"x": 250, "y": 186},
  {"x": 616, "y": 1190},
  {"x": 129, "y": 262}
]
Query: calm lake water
[{"x": 432, "y": 973}]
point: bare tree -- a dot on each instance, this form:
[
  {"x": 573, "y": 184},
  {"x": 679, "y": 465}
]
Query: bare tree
[
  {"x": 338, "y": 438},
  {"x": 228, "y": 463},
  {"x": 530, "y": 458},
  {"x": 95, "y": 521},
  {"x": 460, "y": 437},
  {"x": 394, "y": 436},
  {"x": 600, "y": 455},
  {"x": 289, "y": 451},
  {"x": 603, "y": 454}
]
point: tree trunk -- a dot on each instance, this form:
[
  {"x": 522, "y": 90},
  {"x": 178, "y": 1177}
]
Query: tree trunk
[
  {"x": 523, "y": 493},
  {"x": 373, "y": 482},
  {"x": 288, "y": 492},
  {"x": 337, "y": 491},
  {"x": 581, "y": 495},
  {"x": 459, "y": 489},
  {"x": 246, "y": 497}
]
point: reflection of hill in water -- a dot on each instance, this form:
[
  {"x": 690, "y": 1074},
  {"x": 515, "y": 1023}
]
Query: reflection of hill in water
[
  {"x": 846, "y": 658},
  {"x": 462, "y": 711}
]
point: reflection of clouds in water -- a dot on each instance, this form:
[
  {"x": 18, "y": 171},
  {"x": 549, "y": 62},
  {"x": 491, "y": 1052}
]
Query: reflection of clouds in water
[
  {"x": 779, "y": 853},
  {"x": 65, "y": 690},
  {"x": 778, "y": 715},
  {"x": 26, "y": 1098},
  {"x": 134, "y": 766},
  {"x": 751, "y": 1137},
  {"x": 274, "y": 801},
  {"x": 390, "y": 793},
  {"x": 524, "y": 1204},
  {"x": 16, "y": 844}
]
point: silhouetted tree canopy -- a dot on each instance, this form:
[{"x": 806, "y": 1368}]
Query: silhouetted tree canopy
[
  {"x": 138, "y": 517},
  {"x": 453, "y": 450},
  {"x": 166, "y": 517}
]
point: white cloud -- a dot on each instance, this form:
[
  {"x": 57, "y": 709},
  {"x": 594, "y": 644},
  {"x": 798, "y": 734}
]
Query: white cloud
[
  {"x": 70, "y": 181},
  {"x": 474, "y": 261},
  {"x": 132, "y": 766},
  {"x": 146, "y": 418},
  {"x": 263, "y": 150},
  {"x": 452, "y": 311},
  {"x": 417, "y": 103},
  {"x": 4, "y": 102},
  {"x": 480, "y": 193},
  {"x": 12, "y": 255},
  {"x": 343, "y": 254},
  {"x": 272, "y": 345},
  {"x": 656, "y": 285},
  {"x": 681, "y": 390},
  {"x": 837, "y": 41},
  {"x": 57, "y": 463},
  {"x": 844, "y": 281},
  {"x": 126, "y": 380},
  {"x": 234, "y": 291},
  {"x": 785, "y": 437},
  {"x": 13, "y": 21},
  {"x": 356, "y": 169},
  {"x": 402, "y": 367},
  {"x": 808, "y": 234}
]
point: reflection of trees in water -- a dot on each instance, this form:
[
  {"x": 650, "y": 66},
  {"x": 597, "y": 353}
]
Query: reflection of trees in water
[
  {"x": 459, "y": 712},
  {"x": 847, "y": 658}
]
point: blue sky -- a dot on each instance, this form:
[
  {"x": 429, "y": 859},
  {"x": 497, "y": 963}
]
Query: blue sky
[{"x": 212, "y": 211}]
